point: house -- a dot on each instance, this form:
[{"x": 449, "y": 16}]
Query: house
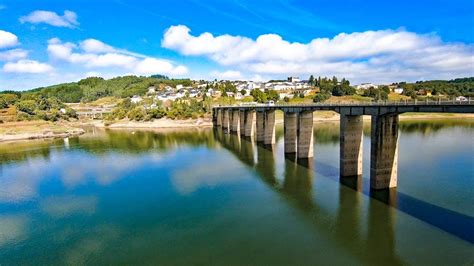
[
  {"x": 151, "y": 90},
  {"x": 366, "y": 86},
  {"x": 398, "y": 90},
  {"x": 179, "y": 86},
  {"x": 461, "y": 99},
  {"x": 136, "y": 99}
]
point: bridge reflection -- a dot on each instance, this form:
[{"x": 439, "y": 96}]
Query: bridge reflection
[{"x": 375, "y": 246}]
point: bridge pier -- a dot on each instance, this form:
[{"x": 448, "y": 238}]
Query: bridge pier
[
  {"x": 269, "y": 127},
  {"x": 291, "y": 132},
  {"x": 235, "y": 123},
  {"x": 351, "y": 139},
  {"x": 242, "y": 122},
  {"x": 219, "y": 118},
  {"x": 305, "y": 135},
  {"x": 249, "y": 124},
  {"x": 260, "y": 126},
  {"x": 225, "y": 119},
  {"x": 384, "y": 151}
]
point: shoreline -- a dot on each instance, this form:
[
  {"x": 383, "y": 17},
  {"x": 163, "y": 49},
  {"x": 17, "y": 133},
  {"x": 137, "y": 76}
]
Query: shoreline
[{"x": 72, "y": 129}]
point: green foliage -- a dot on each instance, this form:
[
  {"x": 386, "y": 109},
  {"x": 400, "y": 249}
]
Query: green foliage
[
  {"x": 455, "y": 87},
  {"x": 8, "y": 99},
  {"x": 321, "y": 97},
  {"x": 138, "y": 113},
  {"x": 377, "y": 94},
  {"x": 259, "y": 96},
  {"x": 272, "y": 95},
  {"x": 26, "y": 106},
  {"x": 93, "y": 88}
]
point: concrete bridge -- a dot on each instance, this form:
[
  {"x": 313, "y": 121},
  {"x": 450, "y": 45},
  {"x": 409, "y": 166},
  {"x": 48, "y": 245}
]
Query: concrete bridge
[{"x": 259, "y": 120}]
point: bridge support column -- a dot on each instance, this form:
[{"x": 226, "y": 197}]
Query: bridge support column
[
  {"x": 384, "y": 151},
  {"x": 225, "y": 119},
  {"x": 351, "y": 136},
  {"x": 235, "y": 123},
  {"x": 260, "y": 126},
  {"x": 305, "y": 135},
  {"x": 242, "y": 122},
  {"x": 291, "y": 132},
  {"x": 219, "y": 117},
  {"x": 249, "y": 127},
  {"x": 269, "y": 127}
]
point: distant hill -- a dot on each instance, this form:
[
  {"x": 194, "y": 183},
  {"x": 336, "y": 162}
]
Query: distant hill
[{"x": 93, "y": 88}]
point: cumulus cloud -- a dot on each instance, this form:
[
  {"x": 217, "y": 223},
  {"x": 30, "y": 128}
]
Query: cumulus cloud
[
  {"x": 13, "y": 54},
  {"x": 93, "y": 53},
  {"x": 227, "y": 75},
  {"x": 68, "y": 19},
  {"x": 389, "y": 54},
  {"x": 27, "y": 66},
  {"x": 7, "y": 39}
]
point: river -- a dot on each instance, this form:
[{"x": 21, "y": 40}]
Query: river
[{"x": 201, "y": 197}]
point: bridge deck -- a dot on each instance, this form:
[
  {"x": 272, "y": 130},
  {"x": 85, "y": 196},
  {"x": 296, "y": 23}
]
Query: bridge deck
[{"x": 373, "y": 108}]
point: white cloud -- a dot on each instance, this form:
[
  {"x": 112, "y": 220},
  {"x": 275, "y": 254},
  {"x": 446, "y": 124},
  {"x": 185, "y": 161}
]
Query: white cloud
[
  {"x": 7, "y": 39},
  {"x": 227, "y": 75},
  {"x": 27, "y": 66},
  {"x": 13, "y": 54},
  {"x": 387, "y": 55},
  {"x": 93, "y": 53},
  {"x": 96, "y": 46},
  {"x": 69, "y": 19}
]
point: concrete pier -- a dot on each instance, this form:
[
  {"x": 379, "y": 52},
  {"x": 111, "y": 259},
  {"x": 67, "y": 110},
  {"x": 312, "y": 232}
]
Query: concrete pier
[
  {"x": 225, "y": 119},
  {"x": 260, "y": 126},
  {"x": 291, "y": 132},
  {"x": 298, "y": 130},
  {"x": 305, "y": 135},
  {"x": 269, "y": 127},
  {"x": 235, "y": 122},
  {"x": 351, "y": 139},
  {"x": 384, "y": 151},
  {"x": 242, "y": 122},
  {"x": 249, "y": 123},
  {"x": 219, "y": 117}
]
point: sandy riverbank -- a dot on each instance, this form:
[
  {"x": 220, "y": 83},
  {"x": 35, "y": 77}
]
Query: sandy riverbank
[{"x": 25, "y": 130}]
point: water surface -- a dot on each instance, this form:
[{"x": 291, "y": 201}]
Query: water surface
[{"x": 204, "y": 197}]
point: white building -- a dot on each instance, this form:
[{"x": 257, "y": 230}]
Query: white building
[
  {"x": 136, "y": 99},
  {"x": 398, "y": 90},
  {"x": 294, "y": 79},
  {"x": 365, "y": 86}
]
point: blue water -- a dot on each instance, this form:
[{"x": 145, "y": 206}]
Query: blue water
[{"x": 203, "y": 197}]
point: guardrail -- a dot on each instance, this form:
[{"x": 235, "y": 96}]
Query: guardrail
[{"x": 373, "y": 103}]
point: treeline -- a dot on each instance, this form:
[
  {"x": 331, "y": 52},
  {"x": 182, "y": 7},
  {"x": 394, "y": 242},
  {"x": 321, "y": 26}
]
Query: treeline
[
  {"x": 454, "y": 87},
  {"x": 93, "y": 88},
  {"x": 30, "y": 107},
  {"x": 146, "y": 111}
]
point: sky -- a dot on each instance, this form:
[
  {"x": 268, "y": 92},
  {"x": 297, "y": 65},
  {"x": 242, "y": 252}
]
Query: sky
[{"x": 51, "y": 41}]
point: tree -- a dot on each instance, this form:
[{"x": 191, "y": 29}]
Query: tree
[
  {"x": 27, "y": 106},
  {"x": 321, "y": 97},
  {"x": 311, "y": 80},
  {"x": 243, "y": 91},
  {"x": 259, "y": 96},
  {"x": 272, "y": 95}
]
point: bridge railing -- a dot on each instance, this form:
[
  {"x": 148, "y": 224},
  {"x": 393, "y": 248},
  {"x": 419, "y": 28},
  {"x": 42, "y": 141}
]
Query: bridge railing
[{"x": 468, "y": 101}]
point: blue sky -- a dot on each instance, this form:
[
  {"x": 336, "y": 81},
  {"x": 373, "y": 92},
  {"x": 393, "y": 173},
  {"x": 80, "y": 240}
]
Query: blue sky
[{"x": 366, "y": 41}]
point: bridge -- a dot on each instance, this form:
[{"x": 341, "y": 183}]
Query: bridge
[{"x": 259, "y": 120}]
